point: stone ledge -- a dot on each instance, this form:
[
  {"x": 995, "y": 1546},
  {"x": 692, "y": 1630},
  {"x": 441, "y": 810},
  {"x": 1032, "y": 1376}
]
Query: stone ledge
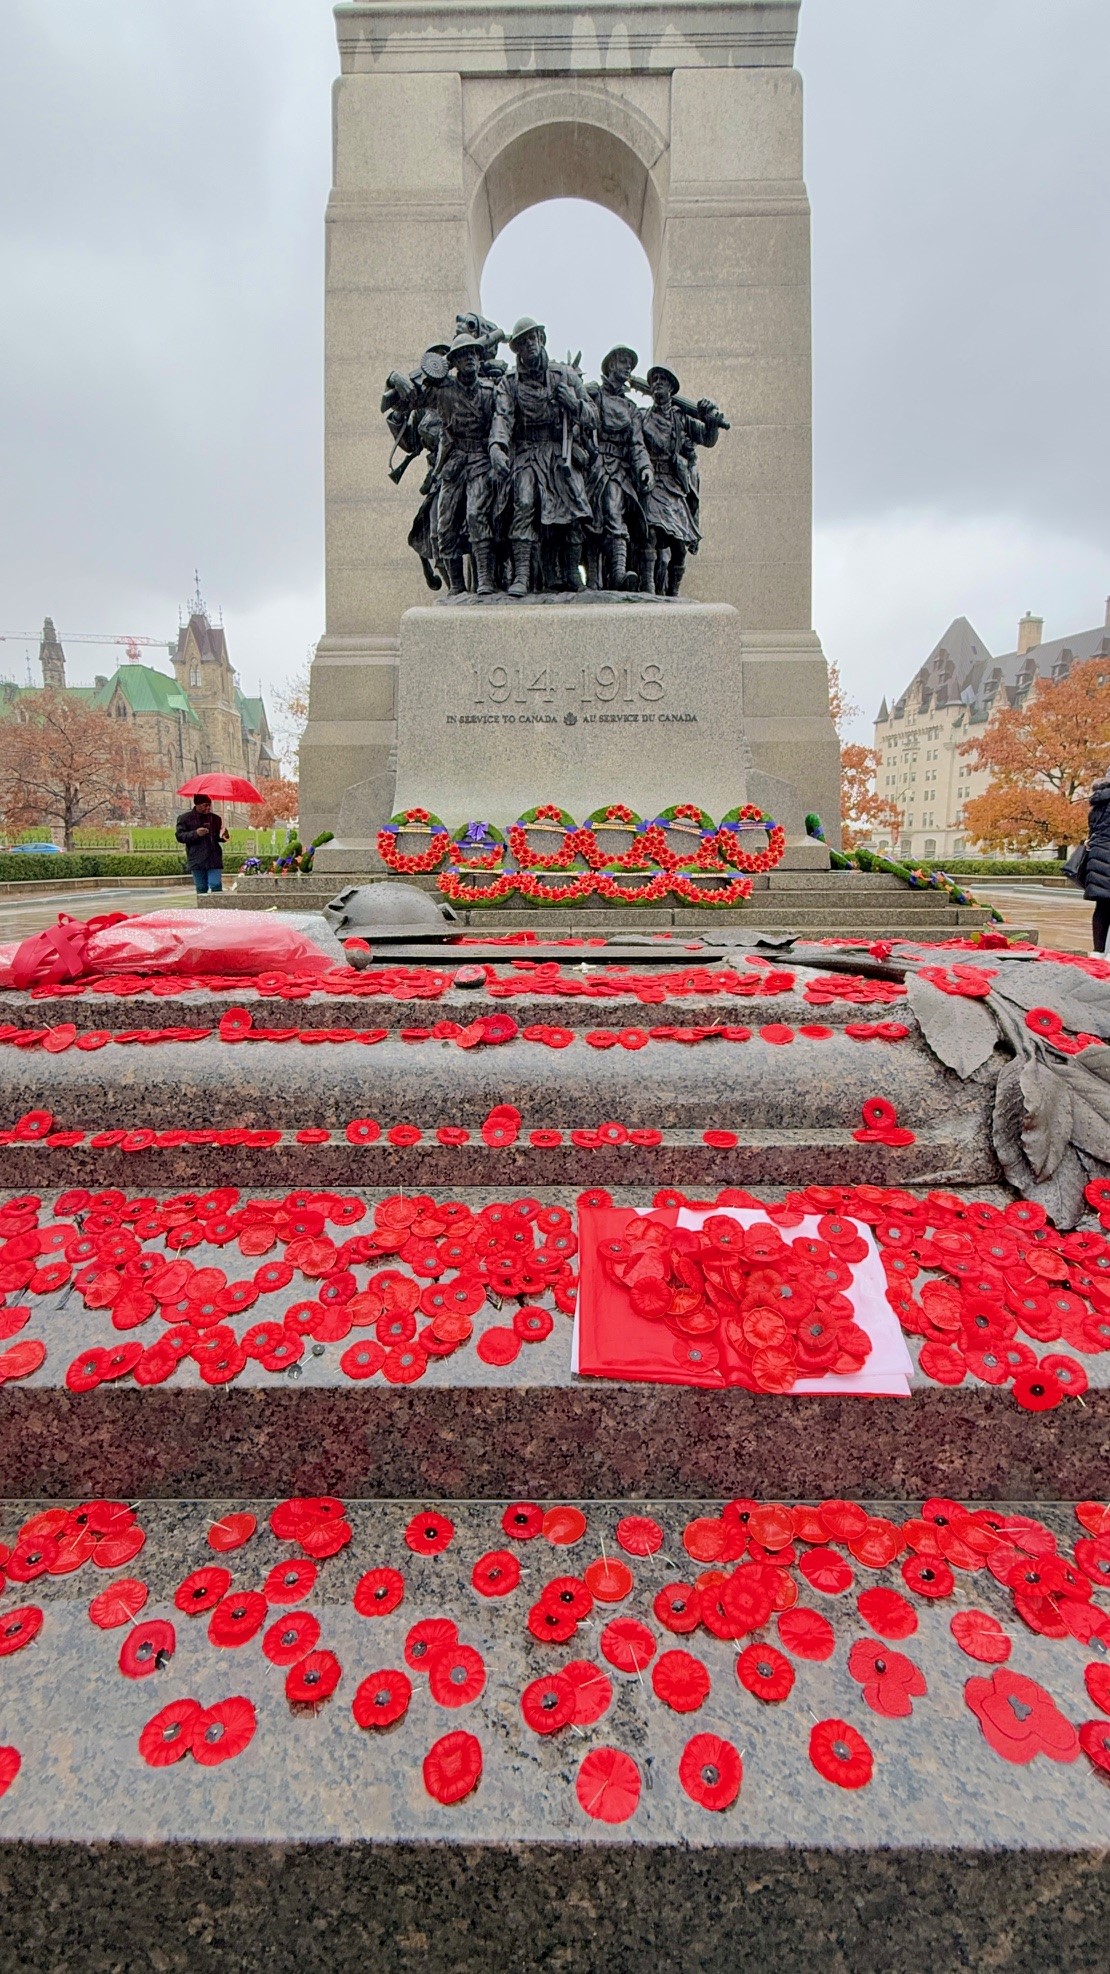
[{"x": 582, "y": 1437}]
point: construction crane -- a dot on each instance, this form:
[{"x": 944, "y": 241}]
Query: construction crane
[{"x": 131, "y": 644}]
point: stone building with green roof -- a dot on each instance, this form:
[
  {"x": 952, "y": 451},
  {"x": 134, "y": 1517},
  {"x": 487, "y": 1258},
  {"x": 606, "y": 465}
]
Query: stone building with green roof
[{"x": 194, "y": 722}]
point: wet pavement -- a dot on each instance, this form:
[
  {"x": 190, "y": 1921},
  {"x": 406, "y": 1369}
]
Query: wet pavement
[
  {"x": 1062, "y": 918},
  {"x": 19, "y": 916}
]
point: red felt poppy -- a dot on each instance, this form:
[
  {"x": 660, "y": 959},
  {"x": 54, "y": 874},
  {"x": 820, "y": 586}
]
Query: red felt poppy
[
  {"x": 382, "y": 1698},
  {"x": 288, "y": 1582},
  {"x": 522, "y": 1521},
  {"x": 928, "y": 1576},
  {"x": 593, "y": 1691},
  {"x": 609, "y": 1579},
  {"x": 980, "y": 1636},
  {"x": 456, "y": 1676},
  {"x": 428, "y": 1534},
  {"x": 237, "y": 1618},
  {"x": 221, "y": 1732},
  {"x": 313, "y": 1679},
  {"x": 1019, "y": 1719},
  {"x": 551, "y": 1624},
  {"x": 890, "y": 1681},
  {"x": 168, "y": 1735},
  {"x": 453, "y": 1767},
  {"x": 119, "y": 1603},
  {"x": 1096, "y": 1679},
  {"x": 765, "y": 1672},
  {"x": 548, "y": 1703},
  {"x": 231, "y": 1532},
  {"x": 427, "y": 1638},
  {"x": 638, "y": 1535},
  {"x": 608, "y": 1785},
  {"x": 147, "y": 1648},
  {"x": 840, "y": 1754},
  {"x": 202, "y": 1590},
  {"x": 887, "y": 1612},
  {"x": 826, "y": 1571},
  {"x": 18, "y": 1628},
  {"x": 678, "y": 1607},
  {"x": 628, "y": 1645},
  {"x": 290, "y": 1637},
  {"x": 711, "y": 1771},
  {"x": 1094, "y": 1739},
  {"x": 677, "y": 1678},
  {"x": 496, "y": 1573},
  {"x": 379, "y": 1592},
  {"x": 563, "y": 1527},
  {"x": 806, "y": 1633}
]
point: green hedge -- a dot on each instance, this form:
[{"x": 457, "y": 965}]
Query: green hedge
[
  {"x": 104, "y": 863},
  {"x": 990, "y": 866}
]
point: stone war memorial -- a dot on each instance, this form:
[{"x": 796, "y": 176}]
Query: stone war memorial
[{"x": 555, "y": 1389}]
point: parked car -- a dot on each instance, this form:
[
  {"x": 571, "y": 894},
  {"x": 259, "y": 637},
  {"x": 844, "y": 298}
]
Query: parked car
[{"x": 36, "y": 850}]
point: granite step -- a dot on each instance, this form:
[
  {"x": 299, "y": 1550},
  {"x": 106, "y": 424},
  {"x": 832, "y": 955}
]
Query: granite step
[{"x": 955, "y": 1842}]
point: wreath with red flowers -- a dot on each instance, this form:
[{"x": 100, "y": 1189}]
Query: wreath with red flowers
[
  {"x": 683, "y": 819},
  {"x": 615, "y": 816},
  {"x": 482, "y": 892},
  {"x": 477, "y": 846},
  {"x": 750, "y": 817},
  {"x": 415, "y": 822},
  {"x": 548, "y": 816}
]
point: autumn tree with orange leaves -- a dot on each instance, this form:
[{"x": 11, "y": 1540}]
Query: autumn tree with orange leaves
[
  {"x": 1043, "y": 758},
  {"x": 862, "y": 809},
  {"x": 279, "y": 804},
  {"x": 64, "y": 763}
]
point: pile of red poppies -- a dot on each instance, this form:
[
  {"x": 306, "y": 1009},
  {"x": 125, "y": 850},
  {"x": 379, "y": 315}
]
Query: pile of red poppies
[{"x": 763, "y": 1310}]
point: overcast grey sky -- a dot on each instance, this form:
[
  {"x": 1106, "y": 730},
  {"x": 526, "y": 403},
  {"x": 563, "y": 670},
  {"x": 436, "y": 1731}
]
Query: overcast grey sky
[{"x": 163, "y": 171}]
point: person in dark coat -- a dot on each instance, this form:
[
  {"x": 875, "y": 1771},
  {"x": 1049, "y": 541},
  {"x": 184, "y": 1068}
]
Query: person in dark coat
[
  {"x": 1096, "y": 885},
  {"x": 203, "y": 834}
]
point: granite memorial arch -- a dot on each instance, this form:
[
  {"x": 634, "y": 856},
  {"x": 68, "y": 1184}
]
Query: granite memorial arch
[{"x": 686, "y": 123}]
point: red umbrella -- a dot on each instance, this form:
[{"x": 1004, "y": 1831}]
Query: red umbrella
[{"x": 222, "y": 788}]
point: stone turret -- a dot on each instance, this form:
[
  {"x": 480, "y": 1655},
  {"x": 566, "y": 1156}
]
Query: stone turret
[{"x": 52, "y": 658}]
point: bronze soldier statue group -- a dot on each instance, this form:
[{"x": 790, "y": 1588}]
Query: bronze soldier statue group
[{"x": 537, "y": 481}]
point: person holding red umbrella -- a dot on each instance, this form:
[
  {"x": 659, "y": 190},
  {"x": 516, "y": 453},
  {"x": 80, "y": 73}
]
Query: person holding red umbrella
[{"x": 203, "y": 834}]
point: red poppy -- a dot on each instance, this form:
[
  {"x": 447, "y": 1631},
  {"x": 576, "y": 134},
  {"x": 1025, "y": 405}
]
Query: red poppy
[
  {"x": 765, "y": 1671},
  {"x": 569, "y": 1595},
  {"x": 890, "y": 1681},
  {"x": 533, "y": 1325},
  {"x": 678, "y": 1607},
  {"x": 548, "y": 1703},
  {"x": 119, "y": 1603},
  {"x": 608, "y": 1785},
  {"x": 147, "y": 1648},
  {"x": 563, "y": 1527},
  {"x": 237, "y": 1618},
  {"x": 887, "y": 1612},
  {"x": 313, "y": 1679},
  {"x": 1094, "y": 1739},
  {"x": 551, "y": 1624},
  {"x": 522, "y": 1521},
  {"x": 498, "y": 1346},
  {"x": 1096, "y": 1679},
  {"x": 677, "y": 1678},
  {"x": 980, "y": 1636},
  {"x": 289, "y": 1638},
  {"x": 453, "y": 1767},
  {"x": 496, "y": 1573},
  {"x": 231, "y": 1531},
  {"x": 608, "y": 1579},
  {"x": 826, "y": 1571},
  {"x": 456, "y": 1676},
  {"x": 202, "y": 1590},
  {"x": 1019, "y": 1719},
  {"x": 219, "y": 1733},
  {"x": 428, "y": 1534},
  {"x": 840, "y": 1754},
  {"x": 638, "y": 1535},
  {"x": 18, "y": 1628},
  {"x": 928, "y": 1576},
  {"x": 168, "y": 1735},
  {"x": 711, "y": 1771},
  {"x": 593, "y": 1691},
  {"x": 378, "y": 1592},
  {"x": 427, "y": 1638},
  {"x": 628, "y": 1645},
  {"x": 382, "y": 1698},
  {"x": 807, "y": 1634}
]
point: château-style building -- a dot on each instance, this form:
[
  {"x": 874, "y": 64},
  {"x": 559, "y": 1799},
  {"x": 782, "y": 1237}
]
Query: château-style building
[
  {"x": 194, "y": 722},
  {"x": 952, "y": 697}
]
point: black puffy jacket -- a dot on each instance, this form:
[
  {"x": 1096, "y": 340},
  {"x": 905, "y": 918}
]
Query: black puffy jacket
[{"x": 1097, "y": 883}]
